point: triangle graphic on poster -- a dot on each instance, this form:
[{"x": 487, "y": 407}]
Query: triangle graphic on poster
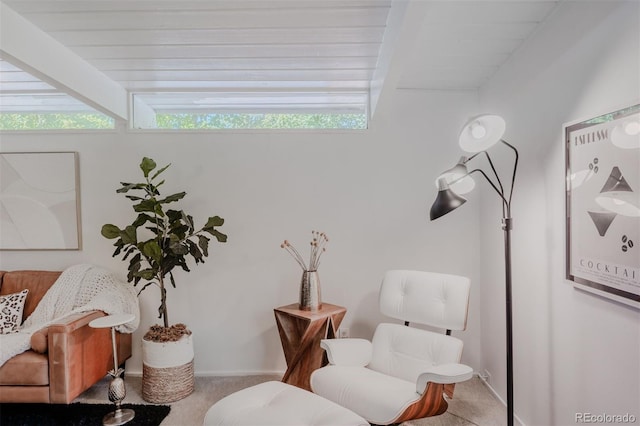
[
  {"x": 616, "y": 182},
  {"x": 602, "y": 220}
]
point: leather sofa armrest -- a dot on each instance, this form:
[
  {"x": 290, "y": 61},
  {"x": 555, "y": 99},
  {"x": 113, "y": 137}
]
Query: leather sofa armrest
[
  {"x": 349, "y": 352},
  {"x": 444, "y": 374},
  {"x": 72, "y": 322},
  {"x": 80, "y": 355},
  {"x": 40, "y": 339}
]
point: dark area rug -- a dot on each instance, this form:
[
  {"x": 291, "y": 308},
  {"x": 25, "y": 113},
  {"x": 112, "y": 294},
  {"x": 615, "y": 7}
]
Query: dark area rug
[{"x": 76, "y": 414}]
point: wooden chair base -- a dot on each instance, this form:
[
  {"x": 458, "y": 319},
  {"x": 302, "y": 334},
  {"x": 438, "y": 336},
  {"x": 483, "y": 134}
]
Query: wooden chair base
[{"x": 431, "y": 404}]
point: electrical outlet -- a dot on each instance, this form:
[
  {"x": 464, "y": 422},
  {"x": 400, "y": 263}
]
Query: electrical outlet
[
  {"x": 343, "y": 333},
  {"x": 487, "y": 376}
]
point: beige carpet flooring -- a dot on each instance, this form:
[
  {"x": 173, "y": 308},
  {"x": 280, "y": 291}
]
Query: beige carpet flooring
[{"x": 473, "y": 402}]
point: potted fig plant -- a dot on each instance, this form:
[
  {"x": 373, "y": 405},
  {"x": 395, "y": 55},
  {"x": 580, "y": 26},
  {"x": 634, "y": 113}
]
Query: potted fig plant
[{"x": 159, "y": 240}]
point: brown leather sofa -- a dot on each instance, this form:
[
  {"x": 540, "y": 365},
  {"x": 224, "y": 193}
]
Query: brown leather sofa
[{"x": 66, "y": 358}]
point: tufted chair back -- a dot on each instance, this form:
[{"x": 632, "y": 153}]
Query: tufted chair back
[{"x": 437, "y": 300}]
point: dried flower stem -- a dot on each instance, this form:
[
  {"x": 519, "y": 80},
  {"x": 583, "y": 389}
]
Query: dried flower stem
[{"x": 318, "y": 243}]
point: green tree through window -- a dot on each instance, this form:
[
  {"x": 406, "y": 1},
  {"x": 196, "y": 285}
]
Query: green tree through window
[
  {"x": 186, "y": 121},
  {"x": 197, "y": 121},
  {"x": 52, "y": 121}
]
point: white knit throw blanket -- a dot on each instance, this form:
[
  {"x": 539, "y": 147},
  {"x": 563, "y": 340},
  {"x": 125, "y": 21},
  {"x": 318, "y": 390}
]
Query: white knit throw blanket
[{"x": 80, "y": 288}]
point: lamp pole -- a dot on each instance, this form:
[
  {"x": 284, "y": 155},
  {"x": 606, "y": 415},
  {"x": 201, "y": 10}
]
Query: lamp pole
[
  {"x": 506, "y": 226},
  {"x": 477, "y": 136}
]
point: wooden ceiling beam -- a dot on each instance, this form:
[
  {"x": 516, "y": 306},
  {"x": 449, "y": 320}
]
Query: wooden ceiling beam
[
  {"x": 32, "y": 50},
  {"x": 405, "y": 19}
]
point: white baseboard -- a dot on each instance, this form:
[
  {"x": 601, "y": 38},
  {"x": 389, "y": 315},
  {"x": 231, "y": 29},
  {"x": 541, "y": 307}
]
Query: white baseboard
[
  {"x": 225, "y": 373},
  {"x": 493, "y": 391}
]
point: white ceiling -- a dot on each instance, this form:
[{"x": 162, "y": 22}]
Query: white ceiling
[{"x": 253, "y": 49}]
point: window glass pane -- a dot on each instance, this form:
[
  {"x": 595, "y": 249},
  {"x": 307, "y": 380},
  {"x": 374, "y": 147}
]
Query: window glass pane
[
  {"x": 53, "y": 121},
  {"x": 197, "y": 121},
  {"x": 250, "y": 110}
]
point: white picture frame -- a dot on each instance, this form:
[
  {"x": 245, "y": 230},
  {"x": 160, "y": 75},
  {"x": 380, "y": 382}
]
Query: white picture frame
[{"x": 602, "y": 160}]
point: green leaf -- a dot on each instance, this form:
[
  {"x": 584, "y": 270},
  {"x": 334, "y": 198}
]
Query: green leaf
[
  {"x": 214, "y": 221},
  {"x": 203, "y": 242},
  {"x": 128, "y": 235},
  {"x": 178, "y": 249},
  {"x": 194, "y": 251},
  {"x": 110, "y": 231},
  {"x": 126, "y": 187},
  {"x": 160, "y": 171},
  {"x": 180, "y": 230},
  {"x": 147, "y": 274},
  {"x": 142, "y": 219},
  {"x": 174, "y": 215},
  {"x": 147, "y": 165},
  {"x": 173, "y": 198},
  {"x": 188, "y": 220},
  {"x": 150, "y": 205},
  {"x": 152, "y": 249},
  {"x": 152, "y": 190},
  {"x": 134, "y": 266},
  {"x": 169, "y": 263},
  {"x": 183, "y": 264},
  {"x": 222, "y": 238},
  {"x": 129, "y": 251}
]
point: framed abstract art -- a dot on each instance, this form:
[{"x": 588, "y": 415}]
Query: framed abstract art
[{"x": 39, "y": 201}]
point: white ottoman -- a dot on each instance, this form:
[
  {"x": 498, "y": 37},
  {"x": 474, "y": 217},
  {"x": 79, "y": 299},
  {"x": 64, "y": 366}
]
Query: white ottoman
[{"x": 279, "y": 404}]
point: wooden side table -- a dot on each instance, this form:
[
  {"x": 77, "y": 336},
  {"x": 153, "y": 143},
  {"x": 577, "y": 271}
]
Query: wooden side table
[{"x": 300, "y": 333}]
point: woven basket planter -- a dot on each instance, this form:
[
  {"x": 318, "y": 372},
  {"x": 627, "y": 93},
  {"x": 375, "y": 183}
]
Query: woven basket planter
[{"x": 167, "y": 370}]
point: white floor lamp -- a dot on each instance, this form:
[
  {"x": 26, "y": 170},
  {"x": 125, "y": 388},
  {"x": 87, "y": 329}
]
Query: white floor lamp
[{"x": 477, "y": 136}]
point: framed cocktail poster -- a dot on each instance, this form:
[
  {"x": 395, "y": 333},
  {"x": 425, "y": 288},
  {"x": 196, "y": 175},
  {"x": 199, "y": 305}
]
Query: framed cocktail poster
[
  {"x": 39, "y": 201},
  {"x": 603, "y": 204}
]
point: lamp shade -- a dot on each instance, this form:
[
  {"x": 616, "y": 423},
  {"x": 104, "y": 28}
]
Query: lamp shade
[
  {"x": 482, "y": 132},
  {"x": 458, "y": 178},
  {"x": 446, "y": 200}
]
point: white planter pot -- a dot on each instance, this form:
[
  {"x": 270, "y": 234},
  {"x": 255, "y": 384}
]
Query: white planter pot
[{"x": 167, "y": 370}]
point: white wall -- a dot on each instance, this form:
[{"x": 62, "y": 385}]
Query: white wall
[
  {"x": 370, "y": 191},
  {"x": 574, "y": 352}
]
